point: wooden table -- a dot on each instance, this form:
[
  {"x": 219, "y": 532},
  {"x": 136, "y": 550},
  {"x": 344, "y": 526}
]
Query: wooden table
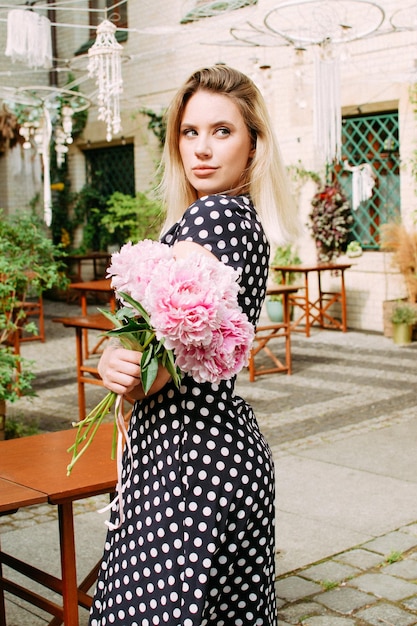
[
  {"x": 93, "y": 286},
  {"x": 32, "y": 471},
  {"x": 85, "y": 373},
  {"x": 317, "y": 311},
  {"x": 264, "y": 334},
  {"x": 96, "y": 258}
]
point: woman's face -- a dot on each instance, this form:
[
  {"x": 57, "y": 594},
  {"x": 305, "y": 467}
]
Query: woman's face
[{"x": 214, "y": 144}]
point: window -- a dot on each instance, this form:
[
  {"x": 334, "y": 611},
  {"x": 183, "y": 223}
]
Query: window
[
  {"x": 111, "y": 169},
  {"x": 372, "y": 139},
  {"x": 97, "y": 12},
  {"x": 118, "y": 15}
]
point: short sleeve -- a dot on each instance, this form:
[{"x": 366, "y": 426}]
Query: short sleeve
[{"x": 228, "y": 226}]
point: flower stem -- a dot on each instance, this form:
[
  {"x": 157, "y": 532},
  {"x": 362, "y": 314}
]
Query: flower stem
[{"x": 87, "y": 428}]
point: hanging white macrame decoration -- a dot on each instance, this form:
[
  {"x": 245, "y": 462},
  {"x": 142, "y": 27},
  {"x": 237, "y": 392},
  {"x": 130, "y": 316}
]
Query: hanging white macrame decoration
[
  {"x": 42, "y": 141},
  {"x": 29, "y": 38},
  {"x": 105, "y": 65},
  {"x": 363, "y": 182},
  {"x": 327, "y": 109}
]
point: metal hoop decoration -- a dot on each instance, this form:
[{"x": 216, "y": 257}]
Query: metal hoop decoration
[
  {"x": 318, "y": 21},
  {"x": 405, "y": 19},
  {"x": 211, "y": 8},
  {"x": 257, "y": 37},
  {"x": 45, "y": 94},
  {"x": 12, "y": 95}
]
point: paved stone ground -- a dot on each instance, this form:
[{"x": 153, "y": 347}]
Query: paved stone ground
[
  {"x": 341, "y": 383},
  {"x": 372, "y": 584}
]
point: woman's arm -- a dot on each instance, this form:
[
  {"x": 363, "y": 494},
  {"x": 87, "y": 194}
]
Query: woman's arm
[
  {"x": 183, "y": 249},
  {"x": 119, "y": 367}
]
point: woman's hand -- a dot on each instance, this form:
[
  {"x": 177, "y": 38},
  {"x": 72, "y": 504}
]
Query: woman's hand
[{"x": 120, "y": 369}]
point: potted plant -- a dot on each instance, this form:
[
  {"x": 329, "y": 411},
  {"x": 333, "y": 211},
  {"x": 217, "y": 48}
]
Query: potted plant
[
  {"x": 403, "y": 317},
  {"x": 354, "y": 249},
  {"x": 284, "y": 255},
  {"x": 29, "y": 262}
]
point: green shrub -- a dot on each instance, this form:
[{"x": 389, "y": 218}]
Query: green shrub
[{"x": 130, "y": 218}]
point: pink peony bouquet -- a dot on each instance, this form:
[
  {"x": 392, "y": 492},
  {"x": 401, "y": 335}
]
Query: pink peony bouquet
[{"x": 181, "y": 313}]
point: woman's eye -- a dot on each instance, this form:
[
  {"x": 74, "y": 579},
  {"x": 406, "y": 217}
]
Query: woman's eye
[
  {"x": 189, "y": 132},
  {"x": 223, "y": 131}
]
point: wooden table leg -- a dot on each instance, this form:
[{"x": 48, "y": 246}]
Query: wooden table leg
[
  {"x": 84, "y": 311},
  {"x": 307, "y": 305},
  {"x": 80, "y": 362},
  {"x": 2, "y": 606},
  {"x": 68, "y": 564},
  {"x": 343, "y": 297},
  {"x": 320, "y": 300},
  {"x": 287, "y": 323}
]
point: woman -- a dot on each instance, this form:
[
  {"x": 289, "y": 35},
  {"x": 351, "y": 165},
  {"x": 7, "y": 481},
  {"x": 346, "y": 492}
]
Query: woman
[{"x": 197, "y": 543}]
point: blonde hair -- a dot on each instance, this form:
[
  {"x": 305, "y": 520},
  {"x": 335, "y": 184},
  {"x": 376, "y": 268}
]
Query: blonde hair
[{"x": 264, "y": 179}]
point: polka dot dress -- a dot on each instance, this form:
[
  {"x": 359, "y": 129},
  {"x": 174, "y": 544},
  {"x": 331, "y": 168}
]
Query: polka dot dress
[{"x": 197, "y": 544}]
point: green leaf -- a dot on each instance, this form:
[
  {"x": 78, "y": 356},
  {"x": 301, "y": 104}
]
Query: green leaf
[
  {"x": 147, "y": 355},
  {"x": 136, "y": 305},
  {"x": 110, "y": 316},
  {"x": 149, "y": 374}
]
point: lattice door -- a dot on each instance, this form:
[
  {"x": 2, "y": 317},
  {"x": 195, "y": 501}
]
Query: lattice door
[{"x": 372, "y": 139}]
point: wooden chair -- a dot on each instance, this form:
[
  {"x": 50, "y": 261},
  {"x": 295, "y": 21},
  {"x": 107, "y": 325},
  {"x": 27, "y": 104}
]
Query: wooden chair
[
  {"x": 264, "y": 334},
  {"x": 32, "y": 308}
]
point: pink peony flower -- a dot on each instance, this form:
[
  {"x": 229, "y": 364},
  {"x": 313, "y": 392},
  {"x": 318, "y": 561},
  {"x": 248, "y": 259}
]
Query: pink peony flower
[
  {"x": 192, "y": 305},
  {"x": 185, "y": 303},
  {"x": 132, "y": 268},
  {"x": 227, "y": 353}
]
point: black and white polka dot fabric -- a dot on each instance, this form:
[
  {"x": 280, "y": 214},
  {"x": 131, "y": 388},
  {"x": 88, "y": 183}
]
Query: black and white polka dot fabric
[{"x": 197, "y": 544}]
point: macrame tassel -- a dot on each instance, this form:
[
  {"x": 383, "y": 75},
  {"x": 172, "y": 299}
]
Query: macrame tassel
[
  {"x": 29, "y": 38},
  {"x": 106, "y": 66},
  {"x": 327, "y": 109}
]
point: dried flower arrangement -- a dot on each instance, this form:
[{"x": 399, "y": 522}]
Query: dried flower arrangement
[{"x": 402, "y": 242}]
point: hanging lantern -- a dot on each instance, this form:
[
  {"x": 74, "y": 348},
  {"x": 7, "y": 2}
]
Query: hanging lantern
[{"x": 106, "y": 67}]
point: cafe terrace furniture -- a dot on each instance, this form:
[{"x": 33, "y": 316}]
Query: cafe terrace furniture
[
  {"x": 102, "y": 287},
  {"x": 317, "y": 311},
  {"x": 33, "y": 471},
  {"x": 96, "y": 259},
  {"x": 86, "y": 373},
  {"x": 264, "y": 334}
]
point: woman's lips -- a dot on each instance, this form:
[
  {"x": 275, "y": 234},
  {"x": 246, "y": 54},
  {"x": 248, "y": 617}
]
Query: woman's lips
[{"x": 203, "y": 171}]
